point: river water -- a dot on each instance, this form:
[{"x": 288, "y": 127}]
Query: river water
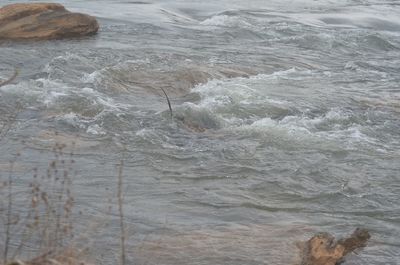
[{"x": 286, "y": 122}]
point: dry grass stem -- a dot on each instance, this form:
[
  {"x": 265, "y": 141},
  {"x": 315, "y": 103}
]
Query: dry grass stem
[
  {"x": 121, "y": 212},
  {"x": 9, "y": 80},
  {"x": 47, "y": 226}
]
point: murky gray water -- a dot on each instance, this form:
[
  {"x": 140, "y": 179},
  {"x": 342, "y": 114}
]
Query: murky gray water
[{"x": 286, "y": 122}]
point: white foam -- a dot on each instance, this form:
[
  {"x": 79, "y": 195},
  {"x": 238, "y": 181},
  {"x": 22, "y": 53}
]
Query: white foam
[
  {"x": 52, "y": 96},
  {"x": 91, "y": 78},
  {"x": 95, "y": 129},
  {"x": 242, "y": 105},
  {"x": 57, "y": 97},
  {"x": 72, "y": 119},
  {"x": 245, "y": 91},
  {"x": 229, "y": 22}
]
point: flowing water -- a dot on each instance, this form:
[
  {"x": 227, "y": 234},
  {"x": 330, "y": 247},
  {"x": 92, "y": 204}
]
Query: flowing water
[{"x": 286, "y": 122}]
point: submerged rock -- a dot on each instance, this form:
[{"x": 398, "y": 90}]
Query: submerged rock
[
  {"x": 322, "y": 249},
  {"x": 43, "y": 21}
]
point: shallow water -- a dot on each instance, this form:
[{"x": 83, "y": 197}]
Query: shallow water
[{"x": 286, "y": 118}]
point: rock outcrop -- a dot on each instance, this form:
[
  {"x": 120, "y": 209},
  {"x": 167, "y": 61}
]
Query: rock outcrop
[
  {"x": 43, "y": 21},
  {"x": 322, "y": 249}
]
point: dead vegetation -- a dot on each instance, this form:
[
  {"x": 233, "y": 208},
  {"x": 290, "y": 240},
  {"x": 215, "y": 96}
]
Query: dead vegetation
[
  {"x": 9, "y": 80},
  {"x": 121, "y": 212},
  {"x": 67, "y": 257},
  {"x": 48, "y": 223},
  {"x": 8, "y": 117},
  {"x": 47, "y": 226}
]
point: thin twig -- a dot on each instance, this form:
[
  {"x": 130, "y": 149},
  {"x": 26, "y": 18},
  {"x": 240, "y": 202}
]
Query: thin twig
[
  {"x": 6, "y": 82},
  {"x": 121, "y": 212},
  {"x": 41, "y": 257},
  {"x": 9, "y": 213},
  {"x": 169, "y": 102}
]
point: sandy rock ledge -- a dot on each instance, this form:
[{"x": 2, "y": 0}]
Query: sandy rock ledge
[{"x": 43, "y": 21}]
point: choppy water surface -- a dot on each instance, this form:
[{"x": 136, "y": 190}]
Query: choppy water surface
[{"x": 286, "y": 122}]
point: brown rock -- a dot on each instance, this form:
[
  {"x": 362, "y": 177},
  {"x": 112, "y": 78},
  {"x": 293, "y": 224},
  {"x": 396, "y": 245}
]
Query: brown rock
[
  {"x": 322, "y": 249},
  {"x": 43, "y": 21}
]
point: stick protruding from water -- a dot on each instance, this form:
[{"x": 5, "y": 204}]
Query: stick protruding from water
[{"x": 169, "y": 102}]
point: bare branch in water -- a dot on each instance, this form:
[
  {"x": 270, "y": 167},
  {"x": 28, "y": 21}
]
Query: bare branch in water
[
  {"x": 169, "y": 102},
  {"x": 12, "y": 78}
]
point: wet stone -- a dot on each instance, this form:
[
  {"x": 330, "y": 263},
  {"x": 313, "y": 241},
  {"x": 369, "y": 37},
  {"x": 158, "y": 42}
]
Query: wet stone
[{"x": 43, "y": 21}]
